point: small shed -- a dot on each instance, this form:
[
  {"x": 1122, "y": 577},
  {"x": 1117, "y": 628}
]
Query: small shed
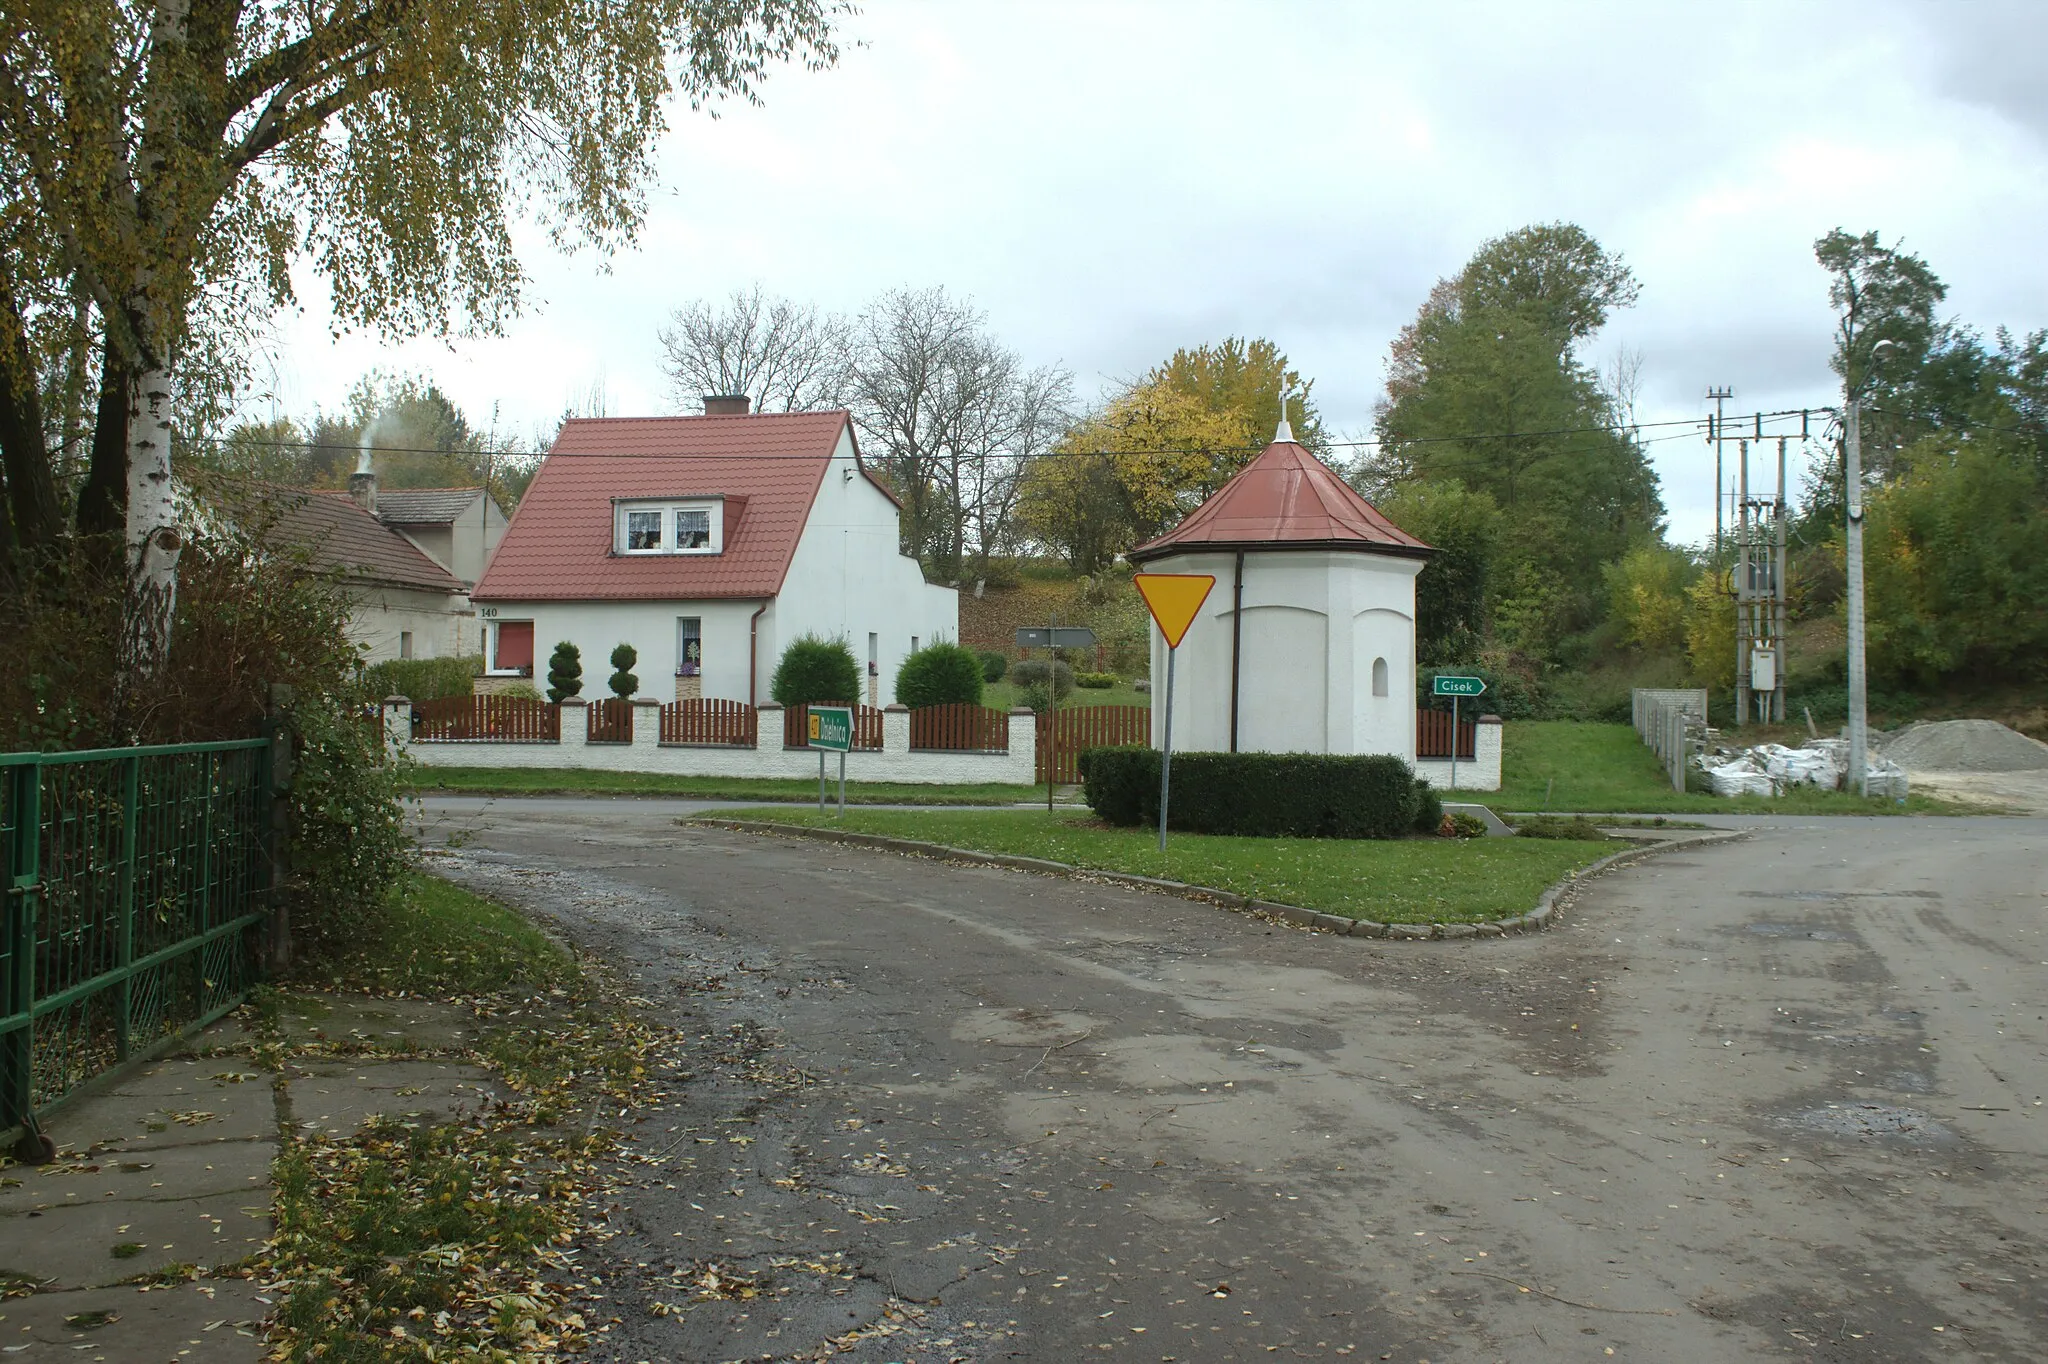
[{"x": 1307, "y": 642}]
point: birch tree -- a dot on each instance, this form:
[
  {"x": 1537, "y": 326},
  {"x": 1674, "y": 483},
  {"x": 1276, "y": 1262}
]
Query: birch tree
[{"x": 171, "y": 161}]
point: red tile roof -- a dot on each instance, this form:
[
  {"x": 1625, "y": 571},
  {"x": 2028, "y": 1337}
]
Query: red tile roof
[
  {"x": 1284, "y": 499},
  {"x": 767, "y": 466},
  {"x": 336, "y": 533}
]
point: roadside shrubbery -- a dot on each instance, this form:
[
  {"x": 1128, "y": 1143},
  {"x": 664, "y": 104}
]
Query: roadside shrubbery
[
  {"x": 423, "y": 679},
  {"x": 993, "y": 666},
  {"x": 1095, "y": 681},
  {"x": 939, "y": 675},
  {"x": 1037, "y": 680},
  {"x": 1264, "y": 795}
]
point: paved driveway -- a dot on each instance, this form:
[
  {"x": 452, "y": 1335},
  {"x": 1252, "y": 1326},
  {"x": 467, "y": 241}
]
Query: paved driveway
[{"x": 1775, "y": 1098}]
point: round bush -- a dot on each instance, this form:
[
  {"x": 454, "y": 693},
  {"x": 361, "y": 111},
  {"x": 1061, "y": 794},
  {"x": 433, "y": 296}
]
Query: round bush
[
  {"x": 1033, "y": 672},
  {"x": 816, "y": 669},
  {"x": 993, "y": 666},
  {"x": 939, "y": 675}
]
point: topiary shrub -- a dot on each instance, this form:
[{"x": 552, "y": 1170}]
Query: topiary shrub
[
  {"x": 622, "y": 682},
  {"x": 422, "y": 679},
  {"x": 1095, "y": 681},
  {"x": 565, "y": 672},
  {"x": 993, "y": 666},
  {"x": 816, "y": 669},
  {"x": 1259, "y": 795},
  {"x": 939, "y": 675}
]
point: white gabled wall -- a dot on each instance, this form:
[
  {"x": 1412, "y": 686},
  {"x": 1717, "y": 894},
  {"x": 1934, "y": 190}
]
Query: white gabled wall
[{"x": 849, "y": 578}]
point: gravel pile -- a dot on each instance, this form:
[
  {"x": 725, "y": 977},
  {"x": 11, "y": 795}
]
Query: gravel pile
[{"x": 1965, "y": 746}]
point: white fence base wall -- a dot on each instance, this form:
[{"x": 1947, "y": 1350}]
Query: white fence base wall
[
  {"x": 1480, "y": 773},
  {"x": 646, "y": 753}
]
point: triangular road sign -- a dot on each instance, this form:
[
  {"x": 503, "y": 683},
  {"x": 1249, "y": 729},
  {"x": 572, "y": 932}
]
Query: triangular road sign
[{"x": 1173, "y": 599}]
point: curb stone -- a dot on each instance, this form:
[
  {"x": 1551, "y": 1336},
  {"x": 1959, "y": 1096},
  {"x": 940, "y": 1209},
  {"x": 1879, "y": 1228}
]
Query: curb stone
[{"x": 1548, "y": 905}]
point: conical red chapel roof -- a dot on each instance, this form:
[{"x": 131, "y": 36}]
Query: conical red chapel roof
[{"x": 1284, "y": 499}]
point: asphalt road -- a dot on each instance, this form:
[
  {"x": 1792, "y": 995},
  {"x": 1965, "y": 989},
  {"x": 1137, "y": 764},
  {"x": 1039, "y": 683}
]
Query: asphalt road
[{"x": 1782, "y": 1097}]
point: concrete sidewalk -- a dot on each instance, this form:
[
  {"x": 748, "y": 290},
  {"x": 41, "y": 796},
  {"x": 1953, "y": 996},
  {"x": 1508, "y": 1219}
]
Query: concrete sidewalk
[{"x": 138, "y": 1242}]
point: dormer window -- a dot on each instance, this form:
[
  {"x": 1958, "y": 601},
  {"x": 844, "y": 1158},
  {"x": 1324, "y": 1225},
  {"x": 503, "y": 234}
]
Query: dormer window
[{"x": 690, "y": 527}]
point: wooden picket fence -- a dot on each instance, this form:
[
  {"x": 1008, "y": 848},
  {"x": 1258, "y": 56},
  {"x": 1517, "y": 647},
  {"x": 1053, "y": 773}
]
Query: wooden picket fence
[
  {"x": 1088, "y": 727},
  {"x": 867, "y": 728},
  {"x": 730, "y": 724},
  {"x": 960, "y": 728},
  {"x": 486, "y": 719},
  {"x": 611, "y": 721},
  {"x": 1433, "y": 735}
]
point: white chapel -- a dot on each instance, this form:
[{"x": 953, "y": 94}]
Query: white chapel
[{"x": 1307, "y": 642}]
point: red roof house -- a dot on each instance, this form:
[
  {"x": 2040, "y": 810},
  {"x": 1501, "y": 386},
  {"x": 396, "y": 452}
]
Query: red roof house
[{"x": 708, "y": 543}]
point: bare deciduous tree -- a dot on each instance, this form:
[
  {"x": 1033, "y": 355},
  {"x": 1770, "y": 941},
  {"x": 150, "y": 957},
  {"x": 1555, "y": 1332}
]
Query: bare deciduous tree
[{"x": 785, "y": 356}]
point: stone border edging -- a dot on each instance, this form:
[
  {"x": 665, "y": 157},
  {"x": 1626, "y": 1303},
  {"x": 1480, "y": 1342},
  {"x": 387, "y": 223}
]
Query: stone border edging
[{"x": 1548, "y": 905}]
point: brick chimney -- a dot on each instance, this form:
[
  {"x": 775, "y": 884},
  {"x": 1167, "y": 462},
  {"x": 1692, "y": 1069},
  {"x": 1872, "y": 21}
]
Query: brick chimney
[
  {"x": 727, "y": 404},
  {"x": 362, "y": 486}
]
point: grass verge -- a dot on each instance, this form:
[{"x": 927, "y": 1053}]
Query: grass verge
[
  {"x": 417, "y": 1242},
  {"x": 1422, "y": 880},
  {"x": 566, "y": 781},
  {"x": 1571, "y": 765}
]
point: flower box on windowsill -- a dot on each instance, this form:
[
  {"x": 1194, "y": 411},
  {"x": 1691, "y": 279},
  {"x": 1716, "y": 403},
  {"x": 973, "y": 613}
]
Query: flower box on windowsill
[{"x": 688, "y": 670}]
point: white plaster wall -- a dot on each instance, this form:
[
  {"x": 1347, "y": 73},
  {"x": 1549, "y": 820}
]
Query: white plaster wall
[
  {"x": 647, "y": 754},
  {"x": 1314, "y": 622},
  {"x": 1482, "y": 773},
  {"x": 442, "y": 623},
  {"x": 849, "y": 579},
  {"x": 596, "y": 627}
]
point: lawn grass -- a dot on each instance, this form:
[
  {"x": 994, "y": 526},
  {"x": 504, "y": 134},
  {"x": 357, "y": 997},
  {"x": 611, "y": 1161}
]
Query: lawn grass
[
  {"x": 1572, "y": 765},
  {"x": 1003, "y": 695},
  {"x": 1422, "y": 880},
  {"x": 569, "y": 781},
  {"x": 435, "y": 938}
]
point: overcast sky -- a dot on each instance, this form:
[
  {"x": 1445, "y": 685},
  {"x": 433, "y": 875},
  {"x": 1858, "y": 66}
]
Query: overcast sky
[{"x": 1111, "y": 181}]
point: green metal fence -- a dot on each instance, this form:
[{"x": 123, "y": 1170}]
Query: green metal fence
[{"x": 134, "y": 879}]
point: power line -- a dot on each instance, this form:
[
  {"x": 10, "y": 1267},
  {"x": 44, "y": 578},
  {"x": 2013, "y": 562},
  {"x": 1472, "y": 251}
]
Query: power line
[{"x": 1691, "y": 424}]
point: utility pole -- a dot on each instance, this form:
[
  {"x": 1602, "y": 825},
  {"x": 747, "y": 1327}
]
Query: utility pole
[
  {"x": 1718, "y": 395},
  {"x": 1859, "y": 700}
]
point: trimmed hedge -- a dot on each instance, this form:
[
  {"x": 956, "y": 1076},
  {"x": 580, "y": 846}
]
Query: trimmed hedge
[
  {"x": 993, "y": 665},
  {"x": 816, "y": 669},
  {"x": 1095, "y": 681},
  {"x": 1259, "y": 795}
]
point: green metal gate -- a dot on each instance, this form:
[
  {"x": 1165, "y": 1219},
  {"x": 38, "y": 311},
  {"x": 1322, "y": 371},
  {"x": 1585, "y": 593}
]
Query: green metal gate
[{"x": 134, "y": 879}]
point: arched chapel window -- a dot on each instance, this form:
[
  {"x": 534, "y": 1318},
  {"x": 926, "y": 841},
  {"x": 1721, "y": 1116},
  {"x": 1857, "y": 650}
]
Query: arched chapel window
[{"x": 1379, "y": 677}]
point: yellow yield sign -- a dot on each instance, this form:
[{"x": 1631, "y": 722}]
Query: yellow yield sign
[{"x": 1173, "y": 599}]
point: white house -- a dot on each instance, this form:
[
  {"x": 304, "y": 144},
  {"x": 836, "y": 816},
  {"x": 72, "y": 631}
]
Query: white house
[
  {"x": 1307, "y": 642},
  {"x": 708, "y": 543},
  {"x": 402, "y": 603}
]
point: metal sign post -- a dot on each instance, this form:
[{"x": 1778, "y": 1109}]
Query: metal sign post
[
  {"x": 830, "y": 730},
  {"x": 1173, "y": 599},
  {"x": 1456, "y": 688},
  {"x": 1054, "y": 636}
]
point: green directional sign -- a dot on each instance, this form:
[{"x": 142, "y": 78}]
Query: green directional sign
[
  {"x": 1458, "y": 686},
  {"x": 831, "y": 727}
]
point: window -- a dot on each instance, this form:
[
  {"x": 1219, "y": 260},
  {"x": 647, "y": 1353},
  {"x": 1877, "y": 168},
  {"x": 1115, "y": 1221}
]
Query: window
[
  {"x": 405, "y": 644},
  {"x": 691, "y": 528},
  {"x": 913, "y": 644},
  {"x": 1379, "y": 677},
  {"x": 643, "y": 532},
  {"x": 689, "y": 645},
  {"x": 514, "y": 651}
]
